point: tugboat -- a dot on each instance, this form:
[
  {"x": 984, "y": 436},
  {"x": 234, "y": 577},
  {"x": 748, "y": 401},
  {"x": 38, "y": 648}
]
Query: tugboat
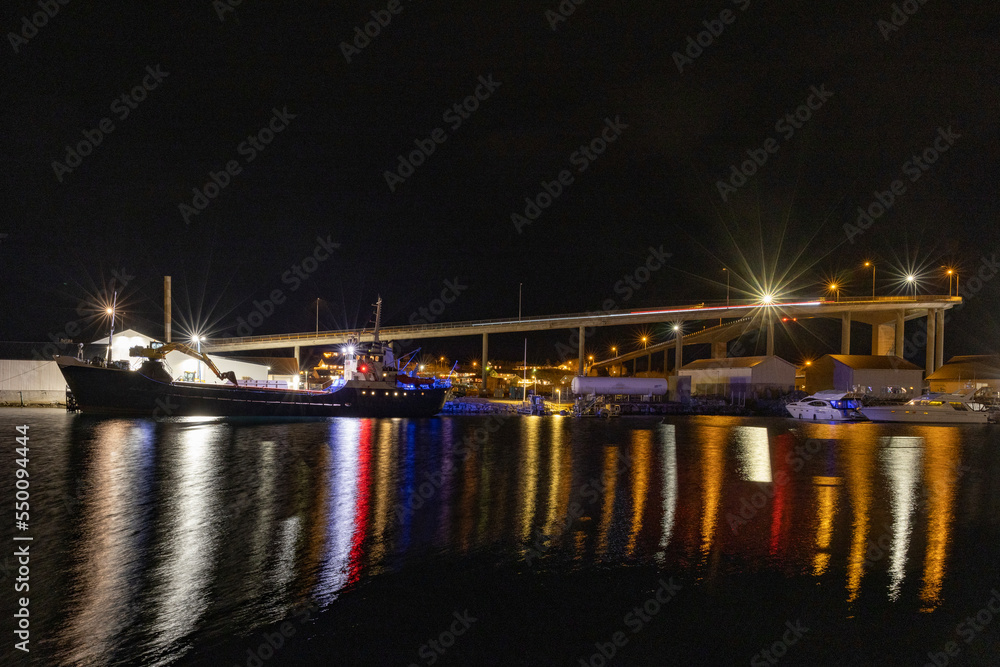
[{"x": 373, "y": 386}]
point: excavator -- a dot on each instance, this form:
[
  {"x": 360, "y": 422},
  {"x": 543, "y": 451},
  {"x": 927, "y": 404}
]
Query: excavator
[{"x": 158, "y": 353}]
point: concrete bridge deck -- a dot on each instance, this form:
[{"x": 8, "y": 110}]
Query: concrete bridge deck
[{"x": 885, "y": 314}]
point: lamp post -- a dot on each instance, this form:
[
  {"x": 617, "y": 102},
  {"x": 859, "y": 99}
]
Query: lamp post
[
  {"x": 727, "y": 272},
  {"x": 912, "y": 281},
  {"x": 111, "y": 312},
  {"x": 835, "y": 288},
  {"x": 950, "y": 272},
  {"x": 197, "y": 341},
  {"x": 872, "y": 264},
  {"x": 317, "y": 316},
  {"x": 519, "y": 289}
]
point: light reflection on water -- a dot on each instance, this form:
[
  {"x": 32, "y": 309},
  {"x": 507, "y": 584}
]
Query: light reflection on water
[{"x": 195, "y": 529}]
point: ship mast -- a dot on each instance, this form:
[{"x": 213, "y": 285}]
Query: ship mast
[{"x": 378, "y": 317}]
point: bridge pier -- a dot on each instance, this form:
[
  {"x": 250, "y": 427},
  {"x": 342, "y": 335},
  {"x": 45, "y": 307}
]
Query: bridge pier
[
  {"x": 486, "y": 350},
  {"x": 580, "y": 351},
  {"x": 845, "y": 332},
  {"x": 882, "y": 338},
  {"x": 719, "y": 350},
  {"x": 939, "y": 340},
  {"x": 296, "y": 355},
  {"x": 929, "y": 367},
  {"x": 900, "y": 326}
]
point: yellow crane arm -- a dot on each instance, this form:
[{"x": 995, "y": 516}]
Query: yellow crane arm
[{"x": 161, "y": 352}]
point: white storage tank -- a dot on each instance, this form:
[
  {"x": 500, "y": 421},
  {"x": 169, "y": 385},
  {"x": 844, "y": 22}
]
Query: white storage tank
[{"x": 608, "y": 386}]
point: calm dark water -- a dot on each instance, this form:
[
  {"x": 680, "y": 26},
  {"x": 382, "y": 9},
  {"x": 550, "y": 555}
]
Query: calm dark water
[{"x": 528, "y": 541}]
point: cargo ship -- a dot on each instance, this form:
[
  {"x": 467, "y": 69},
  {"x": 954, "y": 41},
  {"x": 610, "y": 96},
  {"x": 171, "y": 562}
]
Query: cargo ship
[{"x": 373, "y": 385}]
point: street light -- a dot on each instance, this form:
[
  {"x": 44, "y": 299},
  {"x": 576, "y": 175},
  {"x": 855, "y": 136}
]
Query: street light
[
  {"x": 912, "y": 280},
  {"x": 196, "y": 339},
  {"x": 835, "y": 288},
  {"x": 727, "y": 272},
  {"x": 645, "y": 339},
  {"x": 727, "y": 286},
  {"x": 872, "y": 264},
  {"x": 950, "y": 271},
  {"x": 317, "y": 316},
  {"x": 111, "y": 312}
]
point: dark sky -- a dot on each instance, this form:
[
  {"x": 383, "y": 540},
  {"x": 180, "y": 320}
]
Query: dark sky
[{"x": 889, "y": 95}]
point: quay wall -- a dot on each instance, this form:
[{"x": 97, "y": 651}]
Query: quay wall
[{"x": 33, "y": 398}]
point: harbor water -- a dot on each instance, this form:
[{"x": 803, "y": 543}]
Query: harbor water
[{"x": 503, "y": 540}]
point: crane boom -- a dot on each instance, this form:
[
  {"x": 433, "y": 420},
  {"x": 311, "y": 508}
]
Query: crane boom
[{"x": 160, "y": 352}]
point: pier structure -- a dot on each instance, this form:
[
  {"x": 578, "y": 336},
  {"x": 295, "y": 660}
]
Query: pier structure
[{"x": 885, "y": 315}]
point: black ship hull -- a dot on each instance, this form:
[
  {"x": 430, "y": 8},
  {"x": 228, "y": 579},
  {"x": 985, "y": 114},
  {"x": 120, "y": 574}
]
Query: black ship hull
[{"x": 102, "y": 390}]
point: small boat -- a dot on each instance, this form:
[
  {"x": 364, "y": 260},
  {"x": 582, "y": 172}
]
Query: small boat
[
  {"x": 931, "y": 409},
  {"x": 830, "y": 405},
  {"x": 373, "y": 386}
]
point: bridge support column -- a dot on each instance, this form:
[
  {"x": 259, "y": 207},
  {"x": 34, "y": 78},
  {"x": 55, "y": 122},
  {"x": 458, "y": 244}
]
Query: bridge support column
[
  {"x": 900, "y": 327},
  {"x": 486, "y": 350},
  {"x": 719, "y": 350},
  {"x": 649, "y": 362},
  {"x": 580, "y": 350},
  {"x": 296, "y": 355},
  {"x": 930, "y": 341},
  {"x": 939, "y": 339},
  {"x": 678, "y": 352},
  {"x": 770, "y": 335},
  {"x": 882, "y": 338},
  {"x": 845, "y": 333}
]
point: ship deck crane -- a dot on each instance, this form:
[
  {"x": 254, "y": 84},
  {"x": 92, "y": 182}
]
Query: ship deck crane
[{"x": 158, "y": 353}]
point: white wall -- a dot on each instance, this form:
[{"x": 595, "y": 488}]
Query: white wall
[{"x": 30, "y": 375}]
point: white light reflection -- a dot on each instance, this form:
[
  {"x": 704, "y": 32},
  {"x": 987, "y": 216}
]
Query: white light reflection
[
  {"x": 901, "y": 457},
  {"x": 190, "y": 542},
  {"x": 262, "y": 504},
  {"x": 112, "y": 500},
  {"x": 342, "y": 487},
  {"x": 669, "y": 456},
  {"x": 284, "y": 568},
  {"x": 754, "y": 453}
]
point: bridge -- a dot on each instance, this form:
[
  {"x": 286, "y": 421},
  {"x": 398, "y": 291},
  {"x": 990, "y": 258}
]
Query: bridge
[{"x": 886, "y": 315}]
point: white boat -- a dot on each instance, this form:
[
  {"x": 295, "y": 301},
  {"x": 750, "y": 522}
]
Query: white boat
[
  {"x": 830, "y": 405},
  {"x": 931, "y": 408}
]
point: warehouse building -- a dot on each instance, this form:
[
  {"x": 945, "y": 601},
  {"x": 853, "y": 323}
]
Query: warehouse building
[
  {"x": 736, "y": 376},
  {"x": 966, "y": 373},
  {"x": 877, "y": 375}
]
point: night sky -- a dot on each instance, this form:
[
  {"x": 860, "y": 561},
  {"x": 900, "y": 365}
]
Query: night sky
[{"x": 309, "y": 117}]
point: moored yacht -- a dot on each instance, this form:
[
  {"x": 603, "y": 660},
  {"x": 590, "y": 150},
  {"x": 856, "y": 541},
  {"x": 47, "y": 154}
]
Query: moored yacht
[
  {"x": 829, "y": 405},
  {"x": 931, "y": 408}
]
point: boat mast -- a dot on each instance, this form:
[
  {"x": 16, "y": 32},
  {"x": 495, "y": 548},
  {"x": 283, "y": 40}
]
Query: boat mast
[{"x": 378, "y": 317}]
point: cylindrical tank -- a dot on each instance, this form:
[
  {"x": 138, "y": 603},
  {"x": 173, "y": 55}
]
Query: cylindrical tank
[{"x": 606, "y": 386}]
